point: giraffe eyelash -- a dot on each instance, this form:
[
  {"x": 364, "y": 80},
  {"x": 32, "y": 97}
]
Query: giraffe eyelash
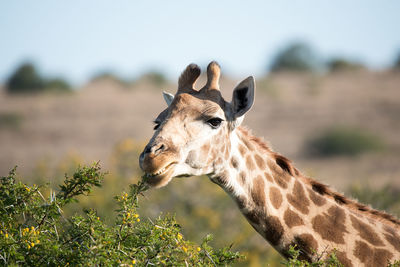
[{"x": 156, "y": 125}]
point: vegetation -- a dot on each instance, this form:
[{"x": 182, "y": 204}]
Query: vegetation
[
  {"x": 297, "y": 57},
  {"x": 10, "y": 120},
  {"x": 396, "y": 64},
  {"x": 108, "y": 75},
  {"x": 26, "y": 79},
  {"x": 155, "y": 77},
  {"x": 35, "y": 231},
  {"x": 342, "y": 64},
  {"x": 343, "y": 141},
  {"x": 330, "y": 261}
]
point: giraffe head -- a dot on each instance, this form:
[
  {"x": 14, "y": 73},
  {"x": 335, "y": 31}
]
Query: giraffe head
[{"x": 192, "y": 135}]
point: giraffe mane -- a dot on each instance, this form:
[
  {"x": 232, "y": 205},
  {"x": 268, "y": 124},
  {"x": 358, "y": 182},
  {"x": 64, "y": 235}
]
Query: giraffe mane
[
  {"x": 325, "y": 190},
  {"x": 320, "y": 188}
]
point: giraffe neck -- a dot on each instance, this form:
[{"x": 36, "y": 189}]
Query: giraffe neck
[{"x": 289, "y": 209}]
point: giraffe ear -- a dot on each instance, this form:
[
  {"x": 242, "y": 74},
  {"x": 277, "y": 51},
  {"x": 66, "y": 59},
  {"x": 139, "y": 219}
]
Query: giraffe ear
[
  {"x": 243, "y": 97},
  {"x": 168, "y": 97}
]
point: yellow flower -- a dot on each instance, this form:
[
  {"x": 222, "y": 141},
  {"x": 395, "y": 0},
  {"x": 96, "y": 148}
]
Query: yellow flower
[
  {"x": 128, "y": 215},
  {"x": 27, "y": 189},
  {"x": 138, "y": 220},
  {"x": 133, "y": 261},
  {"x": 29, "y": 247},
  {"x": 125, "y": 195},
  {"x": 198, "y": 249},
  {"x": 32, "y": 228},
  {"x": 32, "y": 244},
  {"x": 6, "y": 235},
  {"x": 179, "y": 236},
  {"x": 184, "y": 249},
  {"x": 37, "y": 241},
  {"x": 135, "y": 215}
]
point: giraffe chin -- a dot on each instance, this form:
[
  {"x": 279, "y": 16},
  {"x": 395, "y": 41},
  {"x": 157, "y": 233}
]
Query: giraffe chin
[{"x": 160, "y": 178}]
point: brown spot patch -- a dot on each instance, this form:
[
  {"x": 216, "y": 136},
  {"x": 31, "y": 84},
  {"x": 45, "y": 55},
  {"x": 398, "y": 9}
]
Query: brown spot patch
[
  {"x": 370, "y": 256},
  {"x": 260, "y": 162},
  {"x": 273, "y": 230},
  {"x": 330, "y": 225},
  {"x": 227, "y": 151},
  {"x": 307, "y": 244},
  {"x": 392, "y": 237},
  {"x": 281, "y": 177},
  {"x": 292, "y": 219},
  {"x": 205, "y": 148},
  {"x": 242, "y": 178},
  {"x": 257, "y": 192},
  {"x": 249, "y": 163},
  {"x": 366, "y": 232},
  {"x": 343, "y": 259},
  {"x": 268, "y": 177},
  {"x": 279, "y": 181},
  {"x": 317, "y": 199},
  {"x": 234, "y": 162},
  {"x": 298, "y": 198},
  {"x": 218, "y": 161},
  {"x": 254, "y": 216},
  {"x": 276, "y": 197},
  {"x": 241, "y": 202},
  {"x": 248, "y": 144},
  {"x": 242, "y": 150}
]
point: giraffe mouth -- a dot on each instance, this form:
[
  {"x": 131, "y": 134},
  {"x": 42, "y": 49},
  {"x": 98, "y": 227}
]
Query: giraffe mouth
[{"x": 161, "y": 173}]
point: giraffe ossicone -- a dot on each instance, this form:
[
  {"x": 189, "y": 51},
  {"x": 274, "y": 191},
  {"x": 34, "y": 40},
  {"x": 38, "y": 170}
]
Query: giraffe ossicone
[{"x": 199, "y": 133}]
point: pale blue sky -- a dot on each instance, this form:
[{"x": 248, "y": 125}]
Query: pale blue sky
[{"x": 78, "y": 38}]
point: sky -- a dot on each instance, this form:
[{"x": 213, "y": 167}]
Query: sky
[{"x": 76, "y": 39}]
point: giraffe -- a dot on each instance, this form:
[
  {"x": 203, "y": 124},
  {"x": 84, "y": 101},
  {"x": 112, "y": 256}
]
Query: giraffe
[{"x": 200, "y": 133}]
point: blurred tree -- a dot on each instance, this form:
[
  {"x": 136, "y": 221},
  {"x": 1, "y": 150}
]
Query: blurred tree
[
  {"x": 155, "y": 77},
  {"x": 396, "y": 65},
  {"x": 57, "y": 84},
  {"x": 342, "y": 64},
  {"x": 296, "y": 57},
  {"x": 25, "y": 79},
  {"x": 109, "y": 75}
]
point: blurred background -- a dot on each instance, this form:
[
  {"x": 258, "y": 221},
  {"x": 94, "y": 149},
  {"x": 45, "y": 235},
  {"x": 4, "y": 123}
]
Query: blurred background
[{"x": 81, "y": 81}]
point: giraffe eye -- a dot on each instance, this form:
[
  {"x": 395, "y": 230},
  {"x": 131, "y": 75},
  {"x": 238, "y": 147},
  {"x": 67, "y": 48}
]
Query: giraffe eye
[{"x": 214, "y": 122}]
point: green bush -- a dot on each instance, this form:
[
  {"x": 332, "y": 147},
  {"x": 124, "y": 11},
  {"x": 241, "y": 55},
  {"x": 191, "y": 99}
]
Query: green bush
[
  {"x": 396, "y": 64},
  {"x": 26, "y": 79},
  {"x": 343, "y": 141},
  {"x": 108, "y": 75},
  {"x": 35, "y": 231},
  {"x": 10, "y": 120},
  {"x": 57, "y": 84},
  {"x": 341, "y": 64},
  {"x": 155, "y": 77},
  {"x": 293, "y": 261},
  {"x": 298, "y": 57}
]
